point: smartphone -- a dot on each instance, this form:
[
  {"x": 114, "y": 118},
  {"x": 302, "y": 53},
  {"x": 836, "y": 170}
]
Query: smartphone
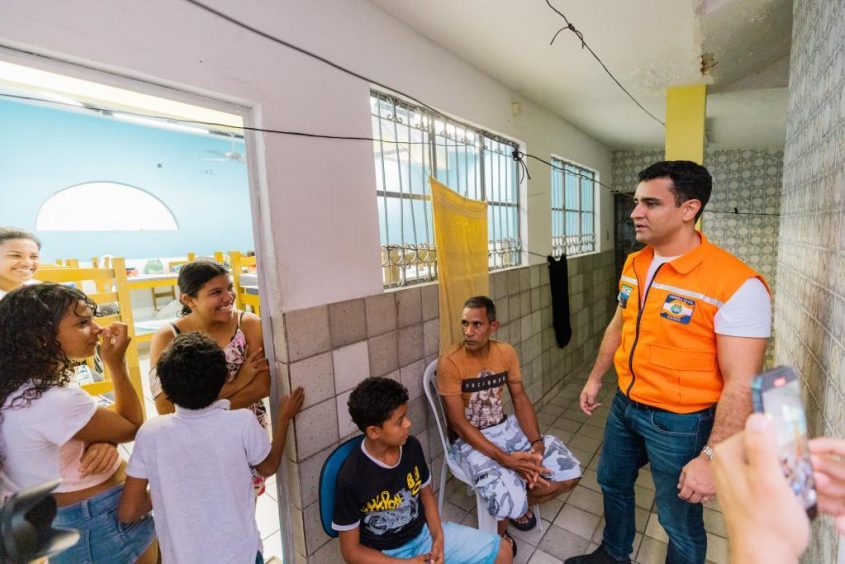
[{"x": 777, "y": 393}]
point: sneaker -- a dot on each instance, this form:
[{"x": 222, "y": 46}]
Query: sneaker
[{"x": 598, "y": 556}]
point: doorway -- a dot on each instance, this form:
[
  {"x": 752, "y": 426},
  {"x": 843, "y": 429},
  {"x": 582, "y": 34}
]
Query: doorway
[{"x": 111, "y": 169}]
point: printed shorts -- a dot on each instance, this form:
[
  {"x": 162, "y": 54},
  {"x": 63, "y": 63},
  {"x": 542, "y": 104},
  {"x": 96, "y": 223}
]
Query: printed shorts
[
  {"x": 461, "y": 545},
  {"x": 502, "y": 488}
]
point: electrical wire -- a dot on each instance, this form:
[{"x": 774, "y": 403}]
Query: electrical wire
[
  {"x": 304, "y": 51},
  {"x": 517, "y": 155},
  {"x": 523, "y": 167},
  {"x": 185, "y": 121},
  {"x": 584, "y": 45}
]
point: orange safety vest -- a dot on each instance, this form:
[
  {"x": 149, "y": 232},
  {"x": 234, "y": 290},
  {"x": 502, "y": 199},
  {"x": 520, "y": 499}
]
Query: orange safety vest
[{"x": 667, "y": 358}]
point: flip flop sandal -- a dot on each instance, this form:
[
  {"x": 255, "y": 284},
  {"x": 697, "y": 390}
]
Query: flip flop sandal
[
  {"x": 512, "y": 540},
  {"x": 526, "y": 525}
]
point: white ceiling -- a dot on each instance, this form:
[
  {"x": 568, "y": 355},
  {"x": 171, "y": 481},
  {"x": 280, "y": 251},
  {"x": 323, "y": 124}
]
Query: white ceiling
[{"x": 648, "y": 45}]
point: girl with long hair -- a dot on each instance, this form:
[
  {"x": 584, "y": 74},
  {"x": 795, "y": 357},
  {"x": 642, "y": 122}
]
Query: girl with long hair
[{"x": 45, "y": 423}]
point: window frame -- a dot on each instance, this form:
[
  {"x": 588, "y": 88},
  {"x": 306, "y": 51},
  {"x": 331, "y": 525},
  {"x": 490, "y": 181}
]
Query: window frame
[
  {"x": 577, "y": 243},
  {"x": 411, "y": 262}
]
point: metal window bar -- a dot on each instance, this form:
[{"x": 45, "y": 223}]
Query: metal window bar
[
  {"x": 503, "y": 199},
  {"x": 459, "y": 155},
  {"x": 573, "y": 219},
  {"x": 407, "y": 251}
]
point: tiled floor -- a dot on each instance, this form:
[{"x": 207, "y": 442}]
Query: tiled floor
[
  {"x": 573, "y": 522},
  {"x": 267, "y": 508}
]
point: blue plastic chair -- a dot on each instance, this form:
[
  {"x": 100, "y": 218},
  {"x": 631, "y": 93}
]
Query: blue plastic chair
[{"x": 328, "y": 481}]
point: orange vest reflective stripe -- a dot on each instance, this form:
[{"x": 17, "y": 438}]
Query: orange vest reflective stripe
[{"x": 667, "y": 358}]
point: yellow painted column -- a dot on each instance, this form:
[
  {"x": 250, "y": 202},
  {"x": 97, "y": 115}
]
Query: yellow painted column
[{"x": 685, "y": 112}]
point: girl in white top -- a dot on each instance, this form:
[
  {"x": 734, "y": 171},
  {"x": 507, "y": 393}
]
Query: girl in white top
[
  {"x": 45, "y": 329},
  {"x": 20, "y": 257}
]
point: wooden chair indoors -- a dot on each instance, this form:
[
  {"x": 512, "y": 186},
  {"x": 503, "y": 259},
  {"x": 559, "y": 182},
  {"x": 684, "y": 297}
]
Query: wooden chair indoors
[
  {"x": 115, "y": 288},
  {"x": 173, "y": 265},
  {"x": 244, "y": 295}
]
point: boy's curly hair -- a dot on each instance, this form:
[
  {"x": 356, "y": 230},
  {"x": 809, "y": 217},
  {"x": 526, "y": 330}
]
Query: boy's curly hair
[
  {"x": 374, "y": 399},
  {"x": 192, "y": 370}
]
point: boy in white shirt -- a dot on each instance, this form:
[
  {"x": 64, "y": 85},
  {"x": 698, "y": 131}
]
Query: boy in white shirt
[{"x": 197, "y": 461}]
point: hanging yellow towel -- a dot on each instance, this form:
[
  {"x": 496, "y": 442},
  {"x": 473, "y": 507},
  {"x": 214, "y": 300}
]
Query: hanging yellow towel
[{"x": 460, "y": 233}]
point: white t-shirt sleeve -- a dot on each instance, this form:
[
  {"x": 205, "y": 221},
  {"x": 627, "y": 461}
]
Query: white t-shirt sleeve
[
  {"x": 66, "y": 410},
  {"x": 748, "y": 313},
  {"x": 155, "y": 382},
  {"x": 256, "y": 441},
  {"x": 137, "y": 467}
]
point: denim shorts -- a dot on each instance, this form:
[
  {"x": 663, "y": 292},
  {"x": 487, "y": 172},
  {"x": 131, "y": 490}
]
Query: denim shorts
[
  {"x": 103, "y": 538},
  {"x": 461, "y": 545}
]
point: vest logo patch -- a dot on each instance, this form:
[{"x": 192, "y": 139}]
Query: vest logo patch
[
  {"x": 624, "y": 294},
  {"x": 677, "y": 308}
]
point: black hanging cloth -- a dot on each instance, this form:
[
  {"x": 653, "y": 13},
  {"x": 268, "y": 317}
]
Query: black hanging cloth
[{"x": 559, "y": 285}]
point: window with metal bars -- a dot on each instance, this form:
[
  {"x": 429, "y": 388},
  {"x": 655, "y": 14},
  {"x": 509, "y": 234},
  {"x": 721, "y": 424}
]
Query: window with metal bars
[
  {"x": 573, "y": 202},
  {"x": 413, "y": 143}
]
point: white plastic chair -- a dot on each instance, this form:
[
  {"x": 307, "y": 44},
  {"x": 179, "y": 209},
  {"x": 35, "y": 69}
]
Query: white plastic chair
[{"x": 486, "y": 522}]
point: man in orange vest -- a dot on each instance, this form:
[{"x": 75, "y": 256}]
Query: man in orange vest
[{"x": 690, "y": 331}]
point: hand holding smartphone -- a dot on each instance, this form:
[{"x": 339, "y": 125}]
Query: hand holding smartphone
[{"x": 777, "y": 394}]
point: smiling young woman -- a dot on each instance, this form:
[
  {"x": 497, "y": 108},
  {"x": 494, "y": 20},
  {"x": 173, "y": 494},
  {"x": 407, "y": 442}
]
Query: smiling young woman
[{"x": 20, "y": 253}]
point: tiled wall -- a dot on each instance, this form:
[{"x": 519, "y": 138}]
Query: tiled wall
[
  {"x": 328, "y": 349},
  {"x": 628, "y": 163},
  {"x": 743, "y": 215},
  {"x": 744, "y": 180},
  {"x": 747, "y": 182},
  {"x": 810, "y": 313}
]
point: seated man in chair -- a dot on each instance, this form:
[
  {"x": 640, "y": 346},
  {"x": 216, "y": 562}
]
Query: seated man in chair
[{"x": 512, "y": 465}]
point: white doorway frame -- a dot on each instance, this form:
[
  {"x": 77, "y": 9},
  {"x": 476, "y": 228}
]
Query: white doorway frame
[{"x": 269, "y": 289}]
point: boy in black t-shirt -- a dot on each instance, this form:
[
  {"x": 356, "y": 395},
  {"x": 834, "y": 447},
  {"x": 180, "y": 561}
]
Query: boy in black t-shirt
[{"x": 385, "y": 510}]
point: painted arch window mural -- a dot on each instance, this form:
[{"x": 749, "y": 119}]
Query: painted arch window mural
[{"x": 104, "y": 206}]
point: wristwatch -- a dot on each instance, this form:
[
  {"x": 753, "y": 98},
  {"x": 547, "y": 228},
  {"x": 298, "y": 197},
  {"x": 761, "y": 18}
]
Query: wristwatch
[{"x": 708, "y": 452}]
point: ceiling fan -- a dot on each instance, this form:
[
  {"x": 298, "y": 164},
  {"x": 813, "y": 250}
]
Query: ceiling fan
[{"x": 231, "y": 155}]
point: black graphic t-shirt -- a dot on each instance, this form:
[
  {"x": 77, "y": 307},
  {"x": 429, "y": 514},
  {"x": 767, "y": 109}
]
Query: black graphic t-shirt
[{"x": 383, "y": 501}]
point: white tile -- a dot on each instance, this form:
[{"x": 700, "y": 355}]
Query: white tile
[
  {"x": 273, "y": 545},
  {"x": 316, "y": 428},
  {"x": 578, "y": 521},
  {"x": 651, "y": 551},
  {"x": 412, "y": 378},
  {"x": 315, "y": 375},
  {"x": 267, "y": 515},
  {"x": 345, "y": 424},
  {"x": 654, "y": 530},
  {"x": 351, "y": 365},
  {"x": 540, "y": 557},
  {"x": 717, "y": 549}
]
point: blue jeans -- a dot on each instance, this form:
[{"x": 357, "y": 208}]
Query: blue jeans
[
  {"x": 103, "y": 538},
  {"x": 636, "y": 434}
]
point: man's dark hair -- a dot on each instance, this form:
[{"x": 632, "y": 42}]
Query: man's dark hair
[
  {"x": 9, "y": 233},
  {"x": 690, "y": 181},
  {"x": 478, "y": 302},
  {"x": 192, "y": 370},
  {"x": 374, "y": 399}
]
